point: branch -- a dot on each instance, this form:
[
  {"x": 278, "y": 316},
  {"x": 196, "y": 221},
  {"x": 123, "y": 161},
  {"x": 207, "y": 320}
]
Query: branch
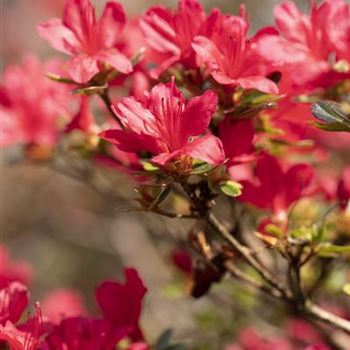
[
  {"x": 245, "y": 252},
  {"x": 165, "y": 213},
  {"x": 239, "y": 274},
  {"x": 320, "y": 314}
]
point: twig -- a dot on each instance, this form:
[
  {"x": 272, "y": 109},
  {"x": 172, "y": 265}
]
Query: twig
[
  {"x": 266, "y": 274},
  {"x": 171, "y": 214},
  {"x": 320, "y": 314},
  {"x": 236, "y": 272}
]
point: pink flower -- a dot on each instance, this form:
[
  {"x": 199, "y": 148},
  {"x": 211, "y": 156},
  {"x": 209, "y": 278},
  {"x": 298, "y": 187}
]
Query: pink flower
[
  {"x": 171, "y": 32},
  {"x": 121, "y": 304},
  {"x": 91, "y": 43},
  {"x": 25, "y": 337},
  {"x": 62, "y": 303},
  {"x": 276, "y": 187},
  {"x": 338, "y": 12},
  {"x": 168, "y": 127},
  {"x": 13, "y": 301},
  {"x": 231, "y": 58},
  {"x": 12, "y": 271},
  {"x": 304, "y": 43},
  {"x": 31, "y": 104}
]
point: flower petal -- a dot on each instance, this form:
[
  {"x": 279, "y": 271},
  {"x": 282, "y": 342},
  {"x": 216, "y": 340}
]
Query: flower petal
[
  {"x": 79, "y": 16},
  {"x": 259, "y": 83},
  {"x": 82, "y": 68},
  {"x": 111, "y": 23},
  {"x": 59, "y": 36},
  {"x": 13, "y": 301},
  {"x": 236, "y": 136},
  {"x": 135, "y": 116},
  {"x": 130, "y": 141},
  {"x": 157, "y": 25},
  {"x": 290, "y": 21},
  {"x": 116, "y": 59},
  {"x": 207, "y": 53},
  {"x": 121, "y": 303},
  {"x": 207, "y": 148},
  {"x": 197, "y": 115}
]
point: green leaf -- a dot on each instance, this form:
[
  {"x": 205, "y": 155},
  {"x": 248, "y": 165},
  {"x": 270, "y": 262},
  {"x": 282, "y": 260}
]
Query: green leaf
[
  {"x": 231, "y": 188},
  {"x": 346, "y": 289},
  {"x": 331, "y": 250},
  {"x": 332, "y": 115}
]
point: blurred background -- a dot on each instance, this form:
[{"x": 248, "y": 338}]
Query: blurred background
[{"x": 72, "y": 233}]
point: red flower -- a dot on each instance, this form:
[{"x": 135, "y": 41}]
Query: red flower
[
  {"x": 26, "y": 337},
  {"x": 77, "y": 333},
  {"x": 172, "y": 32},
  {"x": 90, "y": 42},
  {"x": 276, "y": 188},
  {"x": 343, "y": 191},
  {"x": 230, "y": 57},
  {"x": 168, "y": 127},
  {"x": 121, "y": 304},
  {"x": 30, "y": 115},
  {"x": 303, "y": 43},
  {"x": 13, "y": 301},
  {"x": 237, "y": 138}
]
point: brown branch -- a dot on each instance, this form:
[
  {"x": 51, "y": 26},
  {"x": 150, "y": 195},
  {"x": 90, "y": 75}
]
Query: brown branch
[
  {"x": 171, "y": 214},
  {"x": 320, "y": 314},
  {"x": 248, "y": 257},
  {"x": 239, "y": 274}
]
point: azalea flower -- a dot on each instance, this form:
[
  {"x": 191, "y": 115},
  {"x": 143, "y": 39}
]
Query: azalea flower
[
  {"x": 171, "y": 32},
  {"x": 13, "y": 301},
  {"x": 168, "y": 127},
  {"x": 276, "y": 187},
  {"x": 237, "y": 139},
  {"x": 231, "y": 58},
  {"x": 121, "y": 304},
  {"x": 302, "y": 44},
  {"x": 75, "y": 333},
  {"x": 31, "y": 115},
  {"x": 91, "y": 43}
]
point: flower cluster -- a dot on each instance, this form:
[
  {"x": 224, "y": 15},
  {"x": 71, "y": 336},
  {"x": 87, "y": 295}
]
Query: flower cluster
[
  {"x": 190, "y": 105},
  {"x": 61, "y": 321}
]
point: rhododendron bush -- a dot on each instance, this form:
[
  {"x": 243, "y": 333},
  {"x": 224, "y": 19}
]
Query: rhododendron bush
[{"x": 243, "y": 137}]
